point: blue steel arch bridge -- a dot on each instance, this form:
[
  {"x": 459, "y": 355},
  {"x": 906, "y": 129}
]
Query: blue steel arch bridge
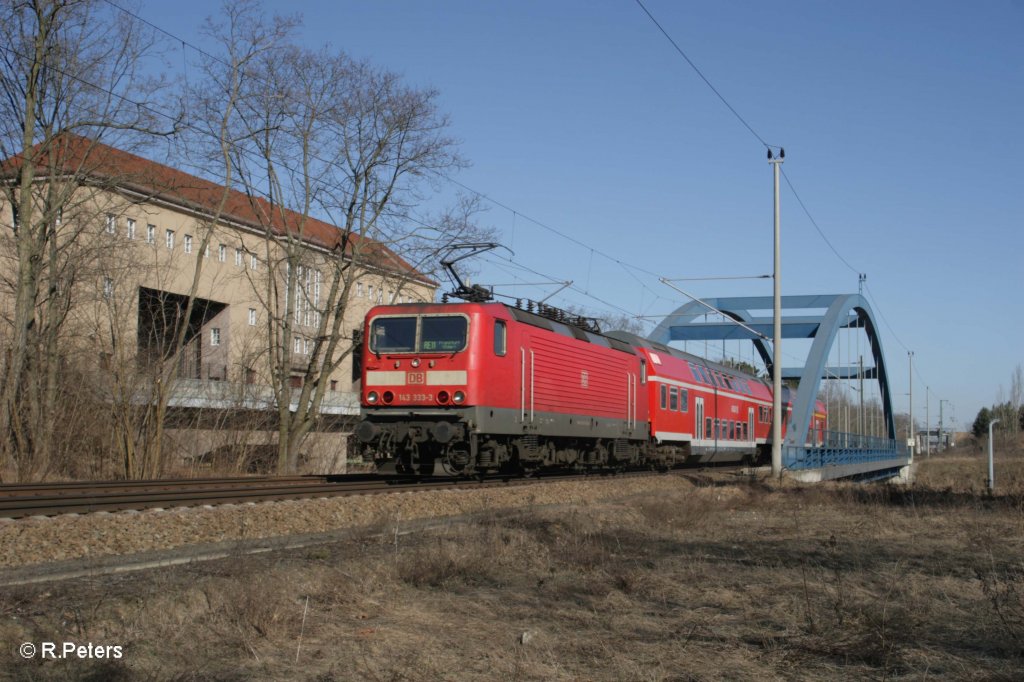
[{"x": 840, "y": 454}]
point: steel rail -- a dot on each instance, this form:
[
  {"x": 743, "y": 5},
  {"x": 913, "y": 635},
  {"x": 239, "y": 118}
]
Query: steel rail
[
  {"x": 18, "y": 490},
  {"x": 20, "y": 501},
  {"x": 82, "y": 498}
]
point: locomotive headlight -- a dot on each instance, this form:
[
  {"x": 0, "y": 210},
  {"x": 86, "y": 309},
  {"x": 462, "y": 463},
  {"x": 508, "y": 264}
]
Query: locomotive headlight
[
  {"x": 415, "y": 362},
  {"x": 371, "y": 397},
  {"x": 442, "y": 397},
  {"x": 459, "y": 397},
  {"x": 388, "y": 397}
]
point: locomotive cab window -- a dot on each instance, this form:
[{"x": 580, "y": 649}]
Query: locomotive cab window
[
  {"x": 443, "y": 334},
  {"x": 424, "y": 334},
  {"x": 393, "y": 335}
]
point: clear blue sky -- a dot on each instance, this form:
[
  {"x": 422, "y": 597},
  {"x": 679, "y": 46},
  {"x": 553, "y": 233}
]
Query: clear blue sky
[{"x": 901, "y": 123}]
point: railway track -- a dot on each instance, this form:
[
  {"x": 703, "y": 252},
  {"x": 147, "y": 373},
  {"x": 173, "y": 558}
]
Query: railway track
[{"x": 51, "y": 499}]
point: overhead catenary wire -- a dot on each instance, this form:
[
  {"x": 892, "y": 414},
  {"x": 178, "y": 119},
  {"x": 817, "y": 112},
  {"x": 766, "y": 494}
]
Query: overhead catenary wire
[
  {"x": 447, "y": 177},
  {"x": 760, "y": 139},
  {"x": 630, "y": 268},
  {"x": 627, "y": 267},
  {"x": 705, "y": 78}
]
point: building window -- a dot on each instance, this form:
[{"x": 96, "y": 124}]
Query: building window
[
  {"x": 206, "y": 251},
  {"x": 238, "y": 257},
  {"x": 298, "y": 345},
  {"x": 305, "y": 346},
  {"x": 215, "y": 336},
  {"x": 359, "y": 289},
  {"x": 253, "y": 262},
  {"x": 169, "y": 238},
  {"x": 108, "y": 288},
  {"x": 369, "y": 289},
  {"x": 252, "y": 317},
  {"x": 222, "y": 253},
  {"x": 111, "y": 223},
  {"x": 151, "y": 234},
  {"x": 334, "y": 384},
  {"x": 188, "y": 243},
  {"x": 131, "y": 228}
]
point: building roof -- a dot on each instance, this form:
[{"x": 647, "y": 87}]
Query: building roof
[{"x": 76, "y": 155}]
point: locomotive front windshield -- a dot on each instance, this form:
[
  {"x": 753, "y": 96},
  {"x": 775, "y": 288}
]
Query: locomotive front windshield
[{"x": 418, "y": 334}]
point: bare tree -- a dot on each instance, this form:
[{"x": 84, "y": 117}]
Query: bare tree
[
  {"x": 142, "y": 388},
  {"x": 316, "y": 135},
  {"x": 69, "y": 76},
  {"x": 1016, "y": 397}
]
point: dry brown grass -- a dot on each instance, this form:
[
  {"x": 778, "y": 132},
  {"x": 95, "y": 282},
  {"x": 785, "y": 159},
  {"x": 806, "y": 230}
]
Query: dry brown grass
[{"x": 745, "y": 581}]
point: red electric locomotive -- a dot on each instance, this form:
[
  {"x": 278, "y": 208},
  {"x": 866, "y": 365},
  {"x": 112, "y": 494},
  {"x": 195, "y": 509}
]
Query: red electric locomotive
[{"x": 475, "y": 387}]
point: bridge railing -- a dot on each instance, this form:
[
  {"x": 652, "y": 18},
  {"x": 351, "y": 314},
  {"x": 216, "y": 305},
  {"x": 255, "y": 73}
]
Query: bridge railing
[{"x": 840, "y": 448}]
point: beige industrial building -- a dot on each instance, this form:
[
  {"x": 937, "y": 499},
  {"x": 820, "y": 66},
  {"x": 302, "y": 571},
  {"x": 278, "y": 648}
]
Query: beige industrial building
[{"x": 141, "y": 230}]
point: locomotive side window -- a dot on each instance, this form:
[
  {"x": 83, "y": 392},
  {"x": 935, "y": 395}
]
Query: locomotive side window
[
  {"x": 443, "y": 334},
  {"x": 393, "y": 335},
  {"x": 499, "y": 337},
  {"x": 684, "y": 400},
  {"x": 663, "y": 400},
  {"x": 673, "y": 396},
  {"x": 707, "y": 427}
]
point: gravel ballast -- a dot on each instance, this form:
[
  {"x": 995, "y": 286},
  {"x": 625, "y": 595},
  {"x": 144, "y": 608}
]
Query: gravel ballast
[{"x": 38, "y": 540}]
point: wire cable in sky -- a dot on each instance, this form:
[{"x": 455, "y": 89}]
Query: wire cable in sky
[
  {"x": 815, "y": 224},
  {"x": 482, "y": 195},
  {"x": 704, "y": 78},
  {"x": 630, "y": 268}
]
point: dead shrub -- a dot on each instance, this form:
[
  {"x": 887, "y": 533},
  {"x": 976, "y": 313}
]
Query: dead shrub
[
  {"x": 263, "y": 606},
  {"x": 444, "y": 563},
  {"x": 1004, "y": 590},
  {"x": 675, "y": 511}
]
